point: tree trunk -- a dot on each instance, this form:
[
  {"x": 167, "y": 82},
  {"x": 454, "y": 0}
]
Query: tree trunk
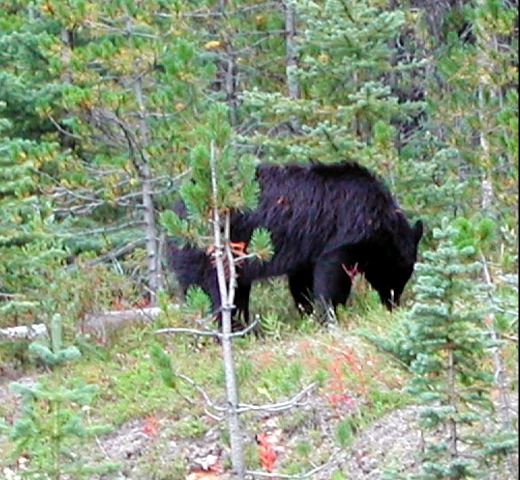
[
  {"x": 291, "y": 62},
  {"x": 146, "y": 177},
  {"x": 231, "y": 87},
  {"x": 293, "y": 87},
  {"x": 452, "y": 424}
]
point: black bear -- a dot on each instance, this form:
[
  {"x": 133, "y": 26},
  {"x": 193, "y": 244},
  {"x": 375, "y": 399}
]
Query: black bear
[{"x": 327, "y": 221}]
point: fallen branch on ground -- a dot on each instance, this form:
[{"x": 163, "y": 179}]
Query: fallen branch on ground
[
  {"x": 24, "y": 331},
  {"x": 109, "y": 320}
]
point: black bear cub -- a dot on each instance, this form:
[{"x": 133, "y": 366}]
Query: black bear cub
[{"x": 327, "y": 221}]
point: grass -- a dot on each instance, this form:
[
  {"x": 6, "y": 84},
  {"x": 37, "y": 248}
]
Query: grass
[{"x": 357, "y": 382}]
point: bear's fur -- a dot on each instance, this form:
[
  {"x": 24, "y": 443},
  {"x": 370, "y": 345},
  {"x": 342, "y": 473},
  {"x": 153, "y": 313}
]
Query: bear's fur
[{"x": 326, "y": 221}]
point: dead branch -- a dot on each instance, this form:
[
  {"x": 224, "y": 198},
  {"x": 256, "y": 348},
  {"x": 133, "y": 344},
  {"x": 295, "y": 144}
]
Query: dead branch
[
  {"x": 511, "y": 338},
  {"x": 209, "y": 332},
  {"x": 117, "y": 252},
  {"x": 107, "y": 229},
  {"x": 246, "y": 330},
  {"x": 62, "y": 130},
  {"x": 12, "y": 295},
  {"x": 192, "y": 331},
  {"x": 211, "y": 13},
  {"x": 202, "y": 392},
  {"x": 277, "y": 407}
]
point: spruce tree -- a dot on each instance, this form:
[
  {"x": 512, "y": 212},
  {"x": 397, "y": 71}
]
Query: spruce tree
[
  {"x": 53, "y": 418},
  {"x": 447, "y": 339},
  {"x": 468, "y": 135}
]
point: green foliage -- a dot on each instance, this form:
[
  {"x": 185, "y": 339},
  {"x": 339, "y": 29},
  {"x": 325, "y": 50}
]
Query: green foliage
[
  {"x": 272, "y": 325},
  {"x": 235, "y": 174},
  {"x": 304, "y": 449},
  {"x": 198, "y": 301},
  {"x": 475, "y": 234},
  {"x": 29, "y": 250},
  {"x": 395, "y": 342},
  {"x": 29, "y": 255},
  {"x": 498, "y": 446},
  {"x": 229, "y": 186},
  {"x": 261, "y": 245},
  {"x": 440, "y": 187},
  {"x": 274, "y": 292},
  {"x": 191, "y": 427},
  {"x": 392, "y": 473},
  {"x": 345, "y": 108},
  {"x": 50, "y": 420},
  {"x": 337, "y": 475},
  {"x": 97, "y": 93},
  {"x": 175, "y": 225},
  {"x": 504, "y": 304}
]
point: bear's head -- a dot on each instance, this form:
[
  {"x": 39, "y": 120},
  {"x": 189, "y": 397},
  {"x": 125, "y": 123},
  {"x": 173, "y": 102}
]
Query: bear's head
[{"x": 390, "y": 268}]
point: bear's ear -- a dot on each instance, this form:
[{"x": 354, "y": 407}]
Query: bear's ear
[{"x": 418, "y": 230}]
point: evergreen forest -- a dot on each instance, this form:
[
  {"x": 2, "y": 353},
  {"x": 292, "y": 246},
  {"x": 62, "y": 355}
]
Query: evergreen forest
[{"x": 112, "y": 111}]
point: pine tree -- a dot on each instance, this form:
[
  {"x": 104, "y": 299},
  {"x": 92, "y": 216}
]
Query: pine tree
[
  {"x": 220, "y": 180},
  {"x": 126, "y": 88},
  {"x": 247, "y": 42},
  {"x": 447, "y": 338}
]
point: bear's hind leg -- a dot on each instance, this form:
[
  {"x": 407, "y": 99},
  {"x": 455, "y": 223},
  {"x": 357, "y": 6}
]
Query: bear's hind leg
[{"x": 301, "y": 287}]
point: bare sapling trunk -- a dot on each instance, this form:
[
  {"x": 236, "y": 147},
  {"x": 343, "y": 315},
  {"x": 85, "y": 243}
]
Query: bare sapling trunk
[{"x": 226, "y": 284}]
